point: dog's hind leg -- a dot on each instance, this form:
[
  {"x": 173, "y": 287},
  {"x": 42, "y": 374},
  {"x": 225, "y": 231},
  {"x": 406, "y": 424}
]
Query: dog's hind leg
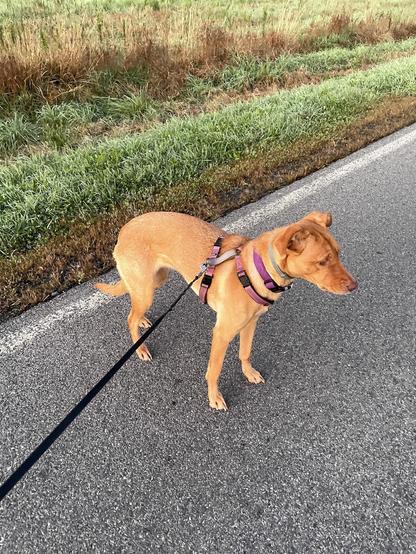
[
  {"x": 160, "y": 278},
  {"x": 139, "y": 305},
  {"x": 140, "y": 284}
]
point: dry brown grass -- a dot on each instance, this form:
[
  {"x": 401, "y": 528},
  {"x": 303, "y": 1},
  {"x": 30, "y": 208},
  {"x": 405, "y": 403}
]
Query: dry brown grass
[
  {"x": 86, "y": 250},
  {"x": 60, "y": 55},
  {"x": 369, "y": 30}
]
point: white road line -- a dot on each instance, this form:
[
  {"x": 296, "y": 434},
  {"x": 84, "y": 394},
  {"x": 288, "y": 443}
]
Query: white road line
[
  {"x": 285, "y": 200},
  {"x": 13, "y": 341}
]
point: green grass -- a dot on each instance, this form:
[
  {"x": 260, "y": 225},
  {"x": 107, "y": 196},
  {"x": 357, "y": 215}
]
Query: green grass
[
  {"x": 15, "y": 133},
  {"x": 131, "y": 107},
  {"x": 248, "y": 72},
  {"x": 40, "y": 196},
  {"x": 29, "y": 122},
  {"x": 59, "y": 124}
]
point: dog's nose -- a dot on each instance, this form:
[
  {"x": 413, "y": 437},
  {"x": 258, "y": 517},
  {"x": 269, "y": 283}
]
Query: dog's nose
[{"x": 352, "y": 285}]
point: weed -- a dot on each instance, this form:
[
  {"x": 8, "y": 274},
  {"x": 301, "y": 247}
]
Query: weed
[
  {"x": 60, "y": 123},
  {"x": 15, "y": 133},
  {"x": 133, "y": 107}
]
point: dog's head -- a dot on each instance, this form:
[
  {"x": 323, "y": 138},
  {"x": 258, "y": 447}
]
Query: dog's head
[{"x": 307, "y": 250}]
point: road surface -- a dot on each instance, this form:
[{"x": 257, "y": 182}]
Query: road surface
[{"x": 321, "y": 458}]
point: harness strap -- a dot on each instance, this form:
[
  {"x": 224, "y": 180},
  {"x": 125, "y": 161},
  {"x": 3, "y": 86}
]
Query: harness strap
[
  {"x": 223, "y": 258},
  {"x": 269, "y": 282},
  {"x": 214, "y": 260},
  {"x": 248, "y": 287},
  {"x": 208, "y": 276}
]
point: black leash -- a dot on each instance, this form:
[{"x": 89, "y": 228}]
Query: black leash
[{"x": 21, "y": 471}]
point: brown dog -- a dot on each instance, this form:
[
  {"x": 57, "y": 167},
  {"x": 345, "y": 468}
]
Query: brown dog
[{"x": 150, "y": 245}]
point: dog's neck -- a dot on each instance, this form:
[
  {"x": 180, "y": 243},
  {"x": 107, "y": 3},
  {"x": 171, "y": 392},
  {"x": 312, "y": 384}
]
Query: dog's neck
[
  {"x": 264, "y": 247},
  {"x": 260, "y": 245},
  {"x": 275, "y": 265}
]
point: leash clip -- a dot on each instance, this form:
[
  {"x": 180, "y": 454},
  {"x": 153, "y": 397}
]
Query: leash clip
[{"x": 202, "y": 269}]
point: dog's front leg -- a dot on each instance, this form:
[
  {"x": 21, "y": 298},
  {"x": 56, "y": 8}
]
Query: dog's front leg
[
  {"x": 246, "y": 343},
  {"x": 221, "y": 338}
]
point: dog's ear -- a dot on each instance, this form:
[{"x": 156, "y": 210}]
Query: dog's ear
[
  {"x": 324, "y": 219},
  {"x": 293, "y": 239}
]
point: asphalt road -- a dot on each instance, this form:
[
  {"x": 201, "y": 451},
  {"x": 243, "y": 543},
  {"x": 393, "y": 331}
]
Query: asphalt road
[{"x": 319, "y": 459}]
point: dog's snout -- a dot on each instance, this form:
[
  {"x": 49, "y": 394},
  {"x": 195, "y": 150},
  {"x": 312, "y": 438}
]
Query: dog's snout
[{"x": 352, "y": 285}]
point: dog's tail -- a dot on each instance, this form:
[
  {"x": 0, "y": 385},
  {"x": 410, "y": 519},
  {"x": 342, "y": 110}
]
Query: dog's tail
[{"x": 117, "y": 289}]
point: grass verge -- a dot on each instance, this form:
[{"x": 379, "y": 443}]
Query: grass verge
[
  {"x": 42, "y": 196},
  {"x": 32, "y": 125},
  {"x": 86, "y": 249}
]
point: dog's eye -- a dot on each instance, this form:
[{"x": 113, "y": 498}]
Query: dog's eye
[{"x": 324, "y": 262}]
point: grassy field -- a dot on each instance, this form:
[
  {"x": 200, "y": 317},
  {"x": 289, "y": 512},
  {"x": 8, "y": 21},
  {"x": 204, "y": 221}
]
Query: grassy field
[
  {"x": 33, "y": 126},
  {"x": 57, "y": 47},
  {"x": 107, "y": 105}
]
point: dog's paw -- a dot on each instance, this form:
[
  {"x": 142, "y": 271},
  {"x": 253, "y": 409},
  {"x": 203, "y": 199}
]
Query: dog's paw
[
  {"x": 145, "y": 323},
  {"x": 217, "y": 402},
  {"x": 253, "y": 376},
  {"x": 144, "y": 353}
]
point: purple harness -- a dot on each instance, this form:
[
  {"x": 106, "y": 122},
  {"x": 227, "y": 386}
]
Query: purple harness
[
  {"x": 243, "y": 277},
  {"x": 264, "y": 274}
]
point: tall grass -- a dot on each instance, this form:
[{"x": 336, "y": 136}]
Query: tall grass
[
  {"x": 181, "y": 15},
  {"x": 40, "y": 196},
  {"x": 55, "y": 52},
  {"x": 56, "y": 126}
]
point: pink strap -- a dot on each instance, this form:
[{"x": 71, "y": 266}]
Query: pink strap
[
  {"x": 206, "y": 280},
  {"x": 264, "y": 274},
  {"x": 248, "y": 287}
]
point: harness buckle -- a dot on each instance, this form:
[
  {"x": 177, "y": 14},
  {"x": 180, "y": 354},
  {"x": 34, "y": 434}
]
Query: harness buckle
[
  {"x": 206, "y": 281},
  {"x": 207, "y": 269},
  {"x": 244, "y": 280}
]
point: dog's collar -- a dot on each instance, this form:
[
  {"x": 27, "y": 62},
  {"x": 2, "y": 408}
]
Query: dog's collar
[{"x": 276, "y": 267}]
